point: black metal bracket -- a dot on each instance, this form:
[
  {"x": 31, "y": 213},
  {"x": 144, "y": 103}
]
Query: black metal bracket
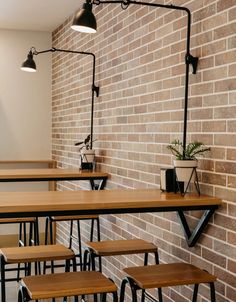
[
  {"x": 189, "y": 59},
  {"x": 192, "y": 236},
  {"x": 96, "y": 90},
  {"x": 98, "y": 186},
  {"x": 181, "y": 186}
]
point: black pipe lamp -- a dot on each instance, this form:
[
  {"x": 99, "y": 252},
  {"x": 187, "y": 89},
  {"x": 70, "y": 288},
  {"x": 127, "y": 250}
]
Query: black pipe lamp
[
  {"x": 29, "y": 64},
  {"x": 84, "y": 20},
  {"x": 86, "y": 13}
]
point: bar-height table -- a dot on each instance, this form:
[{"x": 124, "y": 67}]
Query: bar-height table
[
  {"x": 39, "y": 204},
  {"x": 53, "y": 174}
]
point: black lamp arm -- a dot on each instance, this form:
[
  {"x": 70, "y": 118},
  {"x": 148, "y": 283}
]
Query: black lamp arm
[
  {"x": 94, "y": 88},
  {"x": 189, "y": 59}
]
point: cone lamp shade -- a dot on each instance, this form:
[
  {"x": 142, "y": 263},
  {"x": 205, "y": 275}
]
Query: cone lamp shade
[
  {"x": 84, "y": 20},
  {"x": 29, "y": 64}
]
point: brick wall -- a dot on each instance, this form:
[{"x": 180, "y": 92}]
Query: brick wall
[{"x": 140, "y": 70}]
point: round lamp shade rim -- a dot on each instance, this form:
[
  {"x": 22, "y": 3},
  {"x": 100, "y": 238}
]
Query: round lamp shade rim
[
  {"x": 29, "y": 69},
  {"x": 83, "y": 28},
  {"x": 84, "y": 21}
]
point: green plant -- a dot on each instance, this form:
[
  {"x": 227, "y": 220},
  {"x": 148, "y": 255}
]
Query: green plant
[
  {"x": 190, "y": 152},
  {"x": 85, "y": 144}
]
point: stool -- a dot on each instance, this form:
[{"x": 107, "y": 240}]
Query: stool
[
  {"x": 28, "y": 255},
  {"x": 120, "y": 247},
  {"x": 66, "y": 285},
  {"x": 33, "y": 237},
  {"x": 163, "y": 275},
  {"x": 49, "y": 230}
]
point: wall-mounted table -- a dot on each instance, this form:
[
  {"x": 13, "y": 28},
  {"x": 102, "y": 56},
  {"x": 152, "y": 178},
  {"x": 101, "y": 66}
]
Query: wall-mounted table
[
  {"x": 28, "y": 204},
  {"x": 53, "y": 174}
]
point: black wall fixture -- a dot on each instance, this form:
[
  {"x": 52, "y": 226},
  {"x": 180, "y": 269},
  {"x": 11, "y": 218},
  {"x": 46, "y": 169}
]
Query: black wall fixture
[
  {"x": 30, "y": 66},
  {"x": 85, "y": 21}
]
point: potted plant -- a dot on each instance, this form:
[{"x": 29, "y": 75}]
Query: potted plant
[
  {"x": 87, "y": 154},
  {"x": 185, "y": 162}
]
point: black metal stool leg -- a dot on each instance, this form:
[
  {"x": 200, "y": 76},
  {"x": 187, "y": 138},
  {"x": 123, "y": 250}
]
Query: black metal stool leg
[
  {"x": 46, "y": 230},
  {"x": 103, "y": 297},
  {"x": 99, "y": 239},
  {"x": 80, "y": 246},
  {"x": 160, "y": 297},
  {"x": 143, "y": 290},
  {"x": 213, "y": 293},
  {"x": 115, "y": 297},
  {"x": 195, "y": 292},
  {"x": 25, "y": 232},
  {"x": 133, "y": 289},
  {"x": 23, "y": 295},
  {"x": 98, "y": 229},
  {"x": 71, "y": 233},
  {"x": 86, "y": 260},
  {"x": 51, "y": 230},
  {"x": 31, "y": 229},
  {"x": 20, "y": 296},
  {"x": 122, "y": 289},
  {"x": 3, "y": 282},
  {"x": 20, "y": 244},
  {"x": 92, "y": 230},
  {"x": 19, "y": 299},
  {"x": 36, "y": 231}
]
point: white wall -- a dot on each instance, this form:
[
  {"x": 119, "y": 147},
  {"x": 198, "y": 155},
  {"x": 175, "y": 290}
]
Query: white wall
[
  {"x": 25, "y": 108},
  {"x": 25, "y": 98}
]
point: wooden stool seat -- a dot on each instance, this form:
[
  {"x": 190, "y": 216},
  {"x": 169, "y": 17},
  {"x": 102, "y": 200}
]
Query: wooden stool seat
[
  {"x": 27, "y": 255},
  {"x": 35, "y": 253},
  {"x": 67, "y": 284},
  {"x": 163, "y": 275},
  {"x": 76, "y": 217},
  {"x": 18, "y": 220},
  {"x": 121, "y": 247}
]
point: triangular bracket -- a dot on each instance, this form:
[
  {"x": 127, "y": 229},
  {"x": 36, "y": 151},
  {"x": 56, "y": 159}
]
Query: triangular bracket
[{"x": 192, "y": 236}]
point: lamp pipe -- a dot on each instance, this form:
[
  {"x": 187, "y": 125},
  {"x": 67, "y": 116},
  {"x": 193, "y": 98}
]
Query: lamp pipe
[
  {"x": 95, "y": 89},
  {"x": 189, "y": 59}
]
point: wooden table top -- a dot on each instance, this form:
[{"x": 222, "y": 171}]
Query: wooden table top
[
  {"x": 27, "y": 161},
  {"x": 99, "y": 202},
  {"x": 7, "y": 175}
]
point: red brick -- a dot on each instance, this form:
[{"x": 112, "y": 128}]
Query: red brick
[
  {"x": 215, "y": 100},
  {"x": 225, "y": 58},
  {"x": 224, "y": 140},
  {"x": 200, "y": 89},
  {"x": 231, "y": 154},
  {"x": 231, "y": 239},
  {"x": 222, "y": 4},
  {"x": 204, "y": 13},
  {"x": 215, "y": 179},
  {"x": 214, "y": 257},
  {"x": 225, "y": 276},
  {"x": 224, "y": 31}
]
